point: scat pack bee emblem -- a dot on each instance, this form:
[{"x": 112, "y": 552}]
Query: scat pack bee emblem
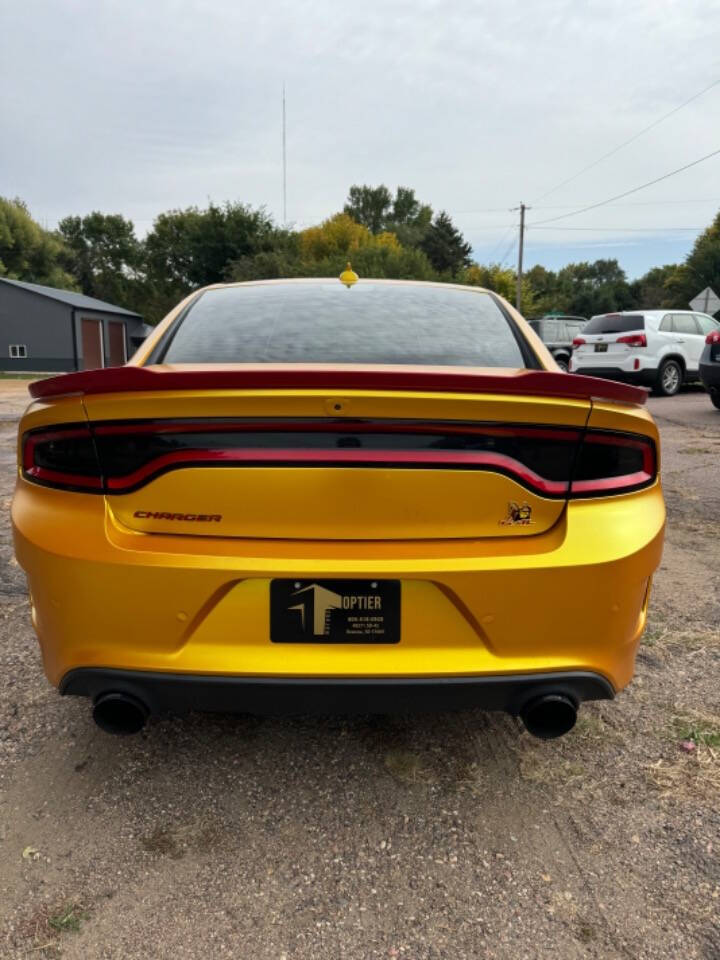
[{"x": 518, "y": 515}]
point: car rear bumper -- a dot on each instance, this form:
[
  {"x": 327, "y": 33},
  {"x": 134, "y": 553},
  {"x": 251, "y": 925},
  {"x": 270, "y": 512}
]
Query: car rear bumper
[
  {"x": 573, "y": 598},
  {"x": 179, "y": 693},
  {"x": 710, "y": 375},
  {"x": 638, "y": 378}
]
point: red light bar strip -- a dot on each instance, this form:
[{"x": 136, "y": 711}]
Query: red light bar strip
[
  {"x": 54, "y": 477},
  {"x": 543, "y": 383},
  {"x": 611, "y": 484},
  {"x": 391, "y": 458}
]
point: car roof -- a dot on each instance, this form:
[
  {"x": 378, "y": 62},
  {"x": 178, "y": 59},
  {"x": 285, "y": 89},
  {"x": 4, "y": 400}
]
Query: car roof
[
  {"x": 362, "y": 281},
  {"x": 644, "y": 313}
]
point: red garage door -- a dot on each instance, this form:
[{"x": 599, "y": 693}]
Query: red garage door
[
  {"x": 116, "y": 338},
  {"x": 92, "y": 347}
]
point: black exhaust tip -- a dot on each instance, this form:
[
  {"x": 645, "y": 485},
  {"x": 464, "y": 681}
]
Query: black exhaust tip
[
  {"x": 550, "y": 716},
  {"x": 119, "y": 713}
]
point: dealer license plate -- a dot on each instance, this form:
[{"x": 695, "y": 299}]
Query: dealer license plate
[{"x": 335, "y": 611}]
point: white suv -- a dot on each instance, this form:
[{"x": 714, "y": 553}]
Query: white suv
[{"x": 655, "y": 348}]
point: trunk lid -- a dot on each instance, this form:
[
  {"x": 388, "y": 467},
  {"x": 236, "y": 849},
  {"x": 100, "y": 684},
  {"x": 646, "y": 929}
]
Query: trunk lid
[{"x": 471, "y": 457}]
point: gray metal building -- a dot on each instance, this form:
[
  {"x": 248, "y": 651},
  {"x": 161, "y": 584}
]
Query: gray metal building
[{"x": 44, "y": 329}]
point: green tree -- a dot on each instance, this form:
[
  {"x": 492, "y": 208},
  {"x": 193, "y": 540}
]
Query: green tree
[
  {"x": 323, "y": 251},
  {"x": 403, "y": 214},
  {"x": 547, "y": 294},
  {"x": 105, "y": 256},
  {"x": 338, "y": 235},
  {"x": 502, "y": 280},
  {"x": 409, "y": 219},
  {"x": 282, "y": 261},
  {"x": 701, "y": 269},
  {"x": 599, "y": 287},
  {"x": 653, "y": 289},
  {"x": 192, "y": 248},
  {"x": 406, "y": 206},
  {"x": 390, "y": 261},
  {"x": 445, "y": 246},
  {"x": 27, "y": 251},
  {"x": 369, "y": 206}
]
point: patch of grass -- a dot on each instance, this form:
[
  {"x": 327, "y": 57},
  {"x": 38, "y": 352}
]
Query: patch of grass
[
  {"x": 695, "y": 636},
  {"x": 695, "y": 773},
  {"x": 67, "y": 919},
  {"x": 702, "y": 735},
  {"x": 693, "y": 776},
  {"x": 652, "y": 635},
  {"x": 43, "y": 929}
]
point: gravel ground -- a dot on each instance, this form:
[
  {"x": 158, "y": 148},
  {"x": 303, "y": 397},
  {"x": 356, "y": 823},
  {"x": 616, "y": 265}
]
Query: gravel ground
[{"x": 414, "y": 837}]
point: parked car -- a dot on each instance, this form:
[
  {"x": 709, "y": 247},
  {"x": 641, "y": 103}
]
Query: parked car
[
  {"x": 304, "y": 495},
  {"x": 655, "y": 348},
  {"x": 710, "y": 365},
  {"x": 558, "y": 333}
]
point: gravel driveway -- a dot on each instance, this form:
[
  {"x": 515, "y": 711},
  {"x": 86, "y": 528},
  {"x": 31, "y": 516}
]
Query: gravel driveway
[{"x": 445, "y": 836}]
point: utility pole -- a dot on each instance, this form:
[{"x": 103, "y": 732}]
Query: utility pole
[
  {"x": 284, "y": 161},
  {"x": 518, "y": 293}
]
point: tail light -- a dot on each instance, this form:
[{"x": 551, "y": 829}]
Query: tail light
[
  {"x": 611, "y": 463},
  {"x": 713, "y": 341},
  {"x": 63, "y": 457},
  {"x": 579, "y": 342},
  {"x": 554, "y": 462},
  {"x": 634, "y": 340}
]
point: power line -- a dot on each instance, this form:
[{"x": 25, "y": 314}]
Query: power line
[
  {"x": 455, "y": 212},
  {"x": 495, "y": 226},
  {"x": 498, "y": 246},
  {"x": 636, "y": 203},
  {"x": 632, "y": 139},
  {"x": 509, "y": 251},
  {"x": 620, "y": 229},
  {"x": 627, "y": 193}
]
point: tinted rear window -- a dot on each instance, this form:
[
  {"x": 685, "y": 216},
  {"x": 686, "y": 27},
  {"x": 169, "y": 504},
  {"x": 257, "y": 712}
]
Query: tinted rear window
[
  {"x": 329, "y": 323},
  {"x": 615, "y": 323}
]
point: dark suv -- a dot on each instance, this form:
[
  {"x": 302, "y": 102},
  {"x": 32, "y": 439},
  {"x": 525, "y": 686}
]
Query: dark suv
[{"x": 558, "y": 333}]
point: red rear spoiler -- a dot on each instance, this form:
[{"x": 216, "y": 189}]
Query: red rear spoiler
[{"x": 540, "y": 383}]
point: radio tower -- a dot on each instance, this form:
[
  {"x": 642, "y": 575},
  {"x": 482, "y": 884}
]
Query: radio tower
[{"x": 284, "y": 162}]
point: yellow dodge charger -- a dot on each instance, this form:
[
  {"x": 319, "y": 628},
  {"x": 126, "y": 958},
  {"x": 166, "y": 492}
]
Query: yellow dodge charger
[{"x": 308, "y": 495}]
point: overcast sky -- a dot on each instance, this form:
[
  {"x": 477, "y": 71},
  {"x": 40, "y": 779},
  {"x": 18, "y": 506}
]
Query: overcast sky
[{"x": 137, "y": 107}]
